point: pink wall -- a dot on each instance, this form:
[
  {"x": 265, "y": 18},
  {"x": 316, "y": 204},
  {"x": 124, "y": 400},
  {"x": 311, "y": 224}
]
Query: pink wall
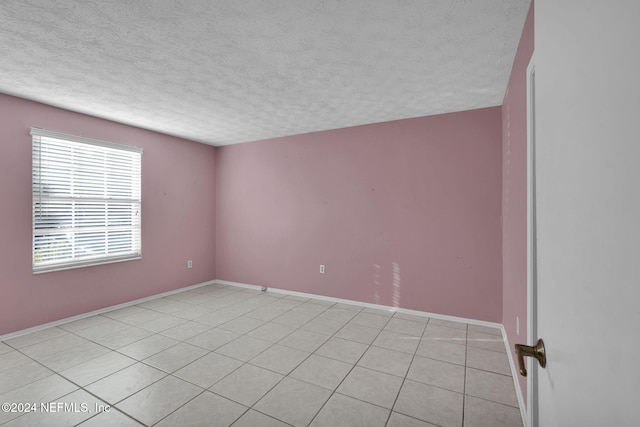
[
  {"x": 514, "y": 194},
  {"x": 403, "y": 213},
  {"x": 178, "y": 207}
]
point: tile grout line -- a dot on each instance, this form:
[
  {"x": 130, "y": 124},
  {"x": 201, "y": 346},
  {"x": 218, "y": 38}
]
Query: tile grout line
[
  {"x": 464, "y": 383},
  {"x": 352, "y": 367},
  {"x": 248, "y": 362},
  {"x": 171, "y": 373},
  {"x": 310, "y": 354},
  {"x": 243, "y": 362},
  {"x": 58, "y": 373},
  {"x": 407, "y": 373},
  {"x": 185, "y": 404},
  {"x": 79, "y": 387}
]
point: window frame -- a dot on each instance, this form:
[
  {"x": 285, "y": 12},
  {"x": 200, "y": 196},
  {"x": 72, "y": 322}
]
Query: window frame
[{"x": 134, "y": 202}]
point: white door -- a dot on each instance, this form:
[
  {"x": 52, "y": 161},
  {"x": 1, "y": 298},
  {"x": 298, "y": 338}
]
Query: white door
[{"x": 587, "y": 127}]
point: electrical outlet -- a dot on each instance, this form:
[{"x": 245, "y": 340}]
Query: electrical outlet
[
  {"x": 321, "y": 268},
  {"x": 189, "y": 264}
]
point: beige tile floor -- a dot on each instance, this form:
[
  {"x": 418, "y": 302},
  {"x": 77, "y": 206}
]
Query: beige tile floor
[{"x": 221, "y": 356}]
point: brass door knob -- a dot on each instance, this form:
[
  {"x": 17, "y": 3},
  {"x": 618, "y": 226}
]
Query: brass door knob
[{"x": 536, "y": 351}]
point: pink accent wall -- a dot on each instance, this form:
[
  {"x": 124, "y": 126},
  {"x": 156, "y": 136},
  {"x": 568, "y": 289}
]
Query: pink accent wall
[
  {"x": 178, "y": 211},
  {"x": 403, "y": 213},
  {"x": 514, "y": 194}
]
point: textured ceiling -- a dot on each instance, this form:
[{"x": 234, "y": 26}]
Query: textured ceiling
[{"x": 229, "y": 71}]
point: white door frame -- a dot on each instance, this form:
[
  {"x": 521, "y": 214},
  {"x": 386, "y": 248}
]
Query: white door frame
[{"x": 532, "y": 368}]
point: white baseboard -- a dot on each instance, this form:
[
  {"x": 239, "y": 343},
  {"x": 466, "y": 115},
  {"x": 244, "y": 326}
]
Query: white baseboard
[
  {"x": 515, "y": 375},
  {"x": 365, "y": 304},
  {"x": 100, "y": 311}
]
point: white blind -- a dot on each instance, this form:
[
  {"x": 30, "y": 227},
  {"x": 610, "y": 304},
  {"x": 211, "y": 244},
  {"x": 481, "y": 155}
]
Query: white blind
[{"x": 86, "y": 201}]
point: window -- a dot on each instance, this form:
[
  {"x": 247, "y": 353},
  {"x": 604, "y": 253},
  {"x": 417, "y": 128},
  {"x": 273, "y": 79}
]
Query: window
[{"x": 86, "y": 201}]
